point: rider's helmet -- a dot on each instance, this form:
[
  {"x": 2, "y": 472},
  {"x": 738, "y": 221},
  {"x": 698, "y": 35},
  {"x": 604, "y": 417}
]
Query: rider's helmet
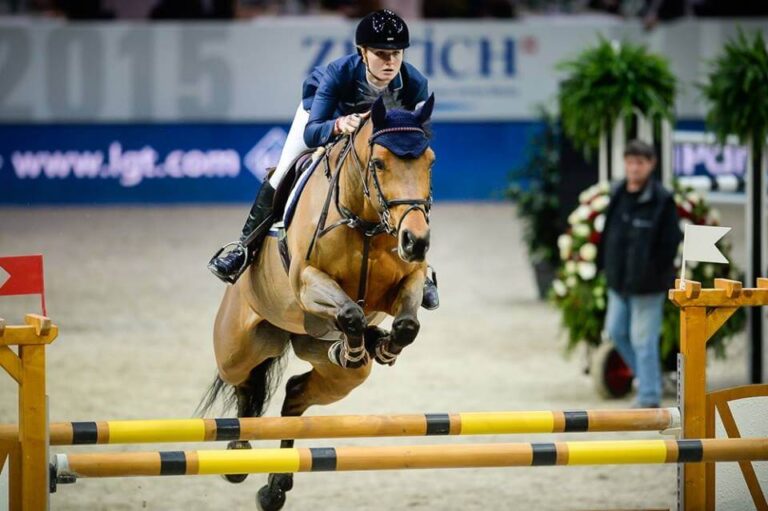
[{"x": 384, "y": 30}]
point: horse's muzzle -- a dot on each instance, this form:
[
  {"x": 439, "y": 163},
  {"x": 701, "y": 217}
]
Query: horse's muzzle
[{"x": 413, "y": 248}]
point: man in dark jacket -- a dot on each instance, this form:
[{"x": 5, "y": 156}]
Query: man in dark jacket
[{"x": 637, "y": 252}]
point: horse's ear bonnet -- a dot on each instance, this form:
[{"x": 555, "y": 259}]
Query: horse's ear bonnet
[{"x": 400, "y": 131}]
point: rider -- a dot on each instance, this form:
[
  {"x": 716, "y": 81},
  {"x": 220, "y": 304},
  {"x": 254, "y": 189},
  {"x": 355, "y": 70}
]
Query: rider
[{"x": 333, "y": 99}]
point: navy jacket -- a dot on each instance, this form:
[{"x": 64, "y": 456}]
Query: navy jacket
[
  {"x": 638, "y": 252},
  {"x": 341, "y": 88}
]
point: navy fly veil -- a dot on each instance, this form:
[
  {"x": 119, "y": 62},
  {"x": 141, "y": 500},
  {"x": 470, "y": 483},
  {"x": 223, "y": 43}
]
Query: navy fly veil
[{"x": 400, "y": 131}]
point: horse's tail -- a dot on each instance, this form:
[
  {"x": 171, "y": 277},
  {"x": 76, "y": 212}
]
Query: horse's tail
[{"x": 254, "y": 393}]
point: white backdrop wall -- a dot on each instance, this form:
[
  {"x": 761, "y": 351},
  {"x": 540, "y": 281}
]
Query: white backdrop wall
[{"x": 252, "y": 71}]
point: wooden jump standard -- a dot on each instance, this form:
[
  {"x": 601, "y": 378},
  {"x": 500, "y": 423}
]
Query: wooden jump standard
[
  {"x": 27, "y": 451},
  {"x": 72, "y": 466},
  {"x": 702, "y": 313},
  {"x": 348, "y": 426}
]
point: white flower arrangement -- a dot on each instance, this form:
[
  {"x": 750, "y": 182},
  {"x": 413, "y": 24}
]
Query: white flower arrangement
[
  {"x": 599, "y": 223},
  {"x": 581, "y": 230},
  {"x": 587, "y": 271},
  {"x": 559, "y": 287},
  {"x": 600, "y": 202},
  {"x": 588, "y": 252},
  {"x": 583, "y": 212}
]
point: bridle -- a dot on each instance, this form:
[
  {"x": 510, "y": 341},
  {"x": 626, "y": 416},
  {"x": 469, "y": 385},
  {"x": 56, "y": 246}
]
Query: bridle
[
  {"x": 368, "y": 229},
  {"x": 384, "y": 211}
]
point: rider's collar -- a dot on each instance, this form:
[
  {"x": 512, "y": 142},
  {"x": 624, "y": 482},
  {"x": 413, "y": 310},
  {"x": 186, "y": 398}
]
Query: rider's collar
[{"x": 397, "y": 82}]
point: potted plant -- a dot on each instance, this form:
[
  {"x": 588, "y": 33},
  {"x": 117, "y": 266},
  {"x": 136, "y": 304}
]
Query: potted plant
[
  {"x": 610, "y": 81},
  {"x": 737, "y": 90},
  {"x": 534, "y": 190}
]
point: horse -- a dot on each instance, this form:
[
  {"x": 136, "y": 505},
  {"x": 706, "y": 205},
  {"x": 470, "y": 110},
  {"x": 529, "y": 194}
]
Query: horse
[{"x": 360, "y": 229}]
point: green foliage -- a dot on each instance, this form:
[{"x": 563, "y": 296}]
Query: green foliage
[
  {"x": 738, "y": 89},
  {"x": 580, "y": 291},
  {"x": 583, "y": 310},
  {"x": 538, "y": 205},
  {"x": 612, "y": 80}
]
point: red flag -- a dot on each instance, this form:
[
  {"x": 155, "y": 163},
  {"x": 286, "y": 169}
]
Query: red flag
[{"x": 22, "y": 275}]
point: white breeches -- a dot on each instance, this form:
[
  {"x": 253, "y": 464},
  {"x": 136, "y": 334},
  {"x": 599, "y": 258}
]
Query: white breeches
[{"x": 294, "y": 145}]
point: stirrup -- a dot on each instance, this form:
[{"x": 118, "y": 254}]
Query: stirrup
[{"x": 232, "y": 278}]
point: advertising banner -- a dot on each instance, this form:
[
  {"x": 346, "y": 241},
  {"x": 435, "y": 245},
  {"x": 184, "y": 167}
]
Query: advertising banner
[
  {"x": 204, "y": 163},
  {"x": 251, "y": 71},
  {"x": 704, "y": 163}
]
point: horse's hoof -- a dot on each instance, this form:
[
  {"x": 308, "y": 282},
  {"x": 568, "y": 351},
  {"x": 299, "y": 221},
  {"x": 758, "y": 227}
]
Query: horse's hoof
[
  {"x": 373, "y": 336},
  {"x": 237, "y": 444},
  {"x": 269, "y": 499},
  {"x": 235, "y": 478},
  {"x": 281, "y": 481}
]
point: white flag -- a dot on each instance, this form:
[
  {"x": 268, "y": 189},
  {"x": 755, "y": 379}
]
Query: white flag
[{"x": 699, "y": 243}]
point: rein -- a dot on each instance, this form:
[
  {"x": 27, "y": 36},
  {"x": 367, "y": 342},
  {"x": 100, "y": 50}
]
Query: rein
[{"x": 368, "y": 229}]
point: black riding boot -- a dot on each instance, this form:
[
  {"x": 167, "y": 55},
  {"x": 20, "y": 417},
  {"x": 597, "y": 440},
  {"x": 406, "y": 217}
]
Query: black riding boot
[
  {"x": 430, "y": 300},
  {"x": 228, "y": 266}
]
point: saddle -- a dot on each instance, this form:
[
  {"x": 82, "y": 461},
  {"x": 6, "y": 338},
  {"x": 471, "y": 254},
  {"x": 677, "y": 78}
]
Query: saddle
[
  {"x": 286, "y": 196},
  {"x": 289, "y": 181}
]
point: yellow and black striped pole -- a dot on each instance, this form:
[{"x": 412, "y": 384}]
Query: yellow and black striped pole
[
  {"x": 348, "y": 426},
  {"x": 69, "y": 467}
]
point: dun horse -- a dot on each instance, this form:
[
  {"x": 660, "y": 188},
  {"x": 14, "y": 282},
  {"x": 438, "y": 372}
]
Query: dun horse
[{"x": 353, "y": 254}]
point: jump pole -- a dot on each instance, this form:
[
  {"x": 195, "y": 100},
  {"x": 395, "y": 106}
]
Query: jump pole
[
  {"x": 350, "y": 426},
  {"x": 69, "y": 467}
]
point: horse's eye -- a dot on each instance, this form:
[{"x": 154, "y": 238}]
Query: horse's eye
[{"x": 377, "y": 164}]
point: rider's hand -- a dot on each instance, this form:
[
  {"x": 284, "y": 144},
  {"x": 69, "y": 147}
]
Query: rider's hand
[{"x": 347, "y": 124}]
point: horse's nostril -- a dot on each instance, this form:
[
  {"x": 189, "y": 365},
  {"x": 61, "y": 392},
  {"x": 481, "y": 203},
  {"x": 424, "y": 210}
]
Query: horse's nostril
[
  {"x": 408, "y": 240},
  {"x": 420, "y": 247}
]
